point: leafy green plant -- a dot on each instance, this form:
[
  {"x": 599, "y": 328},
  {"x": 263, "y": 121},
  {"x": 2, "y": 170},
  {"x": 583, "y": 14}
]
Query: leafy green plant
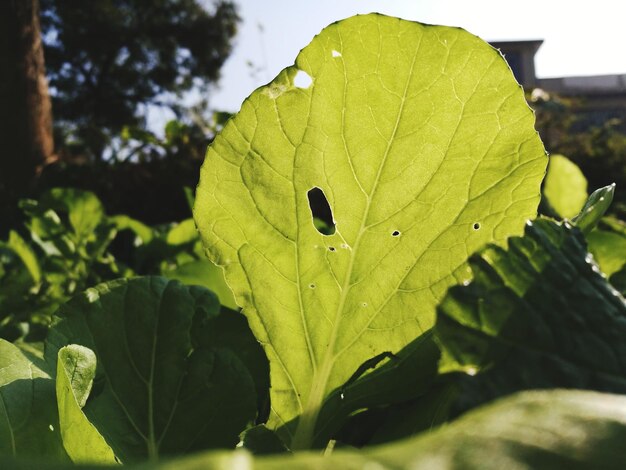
[
  {"x": 421, "y": 296},
  {"x": 71, "y": 247},
  {"x": 605, "y": 235}
]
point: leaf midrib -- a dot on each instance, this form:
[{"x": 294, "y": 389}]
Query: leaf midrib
[{"x": 306, "y": 425}]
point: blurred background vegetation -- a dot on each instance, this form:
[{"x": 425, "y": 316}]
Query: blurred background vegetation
[
  {"x": 90, "y": 192},
  {"x": 77, "y": 81}
]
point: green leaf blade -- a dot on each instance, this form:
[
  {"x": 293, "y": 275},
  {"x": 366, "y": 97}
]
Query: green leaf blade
[{"x": 402, "y": 135}]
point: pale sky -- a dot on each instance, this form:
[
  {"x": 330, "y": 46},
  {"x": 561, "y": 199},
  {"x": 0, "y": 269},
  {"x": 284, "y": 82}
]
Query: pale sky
[{"x": 580, "y": 37}]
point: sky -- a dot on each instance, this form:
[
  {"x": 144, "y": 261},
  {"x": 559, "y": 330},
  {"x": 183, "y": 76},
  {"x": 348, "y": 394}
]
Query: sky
[{"x": 580, "y": 37}]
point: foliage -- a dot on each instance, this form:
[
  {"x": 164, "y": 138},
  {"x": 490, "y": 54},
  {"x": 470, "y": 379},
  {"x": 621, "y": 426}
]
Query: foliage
[
  {"x": 108, "y": 60},
  {"x": 139, "y": 369},
  {"x": 606, "y": 236},
  {"x": 597, "y": 146},
  {"x": 541, "y": 311},
  {"x": 70, "y": 246},
  {"x": 169, "y": 379}
]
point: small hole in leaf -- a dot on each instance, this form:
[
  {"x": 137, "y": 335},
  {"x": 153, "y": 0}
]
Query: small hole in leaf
[
  {"x": 395, "y": 233},
  {"x": 321, "y": 211},
  {"x": 336, "y": 53},
  {"x": 331, "y": 248},
  {"x": 364, "y": 304},
  {"x": 302, "y": 79},
  {"x": 311, "y": 286},
  {"x": 476, "y": 226}
]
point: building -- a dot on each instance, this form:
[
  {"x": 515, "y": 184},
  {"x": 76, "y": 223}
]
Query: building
[{"x": 603, "y": 96}]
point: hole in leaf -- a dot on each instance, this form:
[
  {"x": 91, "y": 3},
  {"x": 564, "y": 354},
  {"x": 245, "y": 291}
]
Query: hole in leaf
[
  {"x": 302, "y": 79},
  {"x": 476, "y": 226},
  {"x": 321, "y": 211},
  {"x": 311, "y": 286},
  {"x": 395, "y": 233},
  {"x": 336, "y": 53},
  {"x": 331, "y": 248}
]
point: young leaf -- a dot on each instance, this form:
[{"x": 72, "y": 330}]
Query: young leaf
[
  {"x": 160, "y": 387},
  {"x": 538, "y": 315},
  {"x": 29, "y": 423},
  {"x": 421, "y": 141},
  {"x": 76, "y": 370},
  {"x": 594, "y": 208}
]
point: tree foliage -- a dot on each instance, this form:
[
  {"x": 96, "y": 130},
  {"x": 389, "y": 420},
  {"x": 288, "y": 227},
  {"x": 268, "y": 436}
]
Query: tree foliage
[{"x": 108, "y": 60}]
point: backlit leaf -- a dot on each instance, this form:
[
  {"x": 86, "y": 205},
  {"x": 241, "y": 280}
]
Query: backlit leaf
[{"x": 423, "y": 145}]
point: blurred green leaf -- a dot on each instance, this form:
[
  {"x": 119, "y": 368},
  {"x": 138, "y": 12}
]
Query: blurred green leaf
[
  {"x": 84, "y": 209},
  {"x": 565, "y": 186},
  {"x": 25, "y": 253},
  {"x": 206, "y": 274},
  {"x": 608, "y": 249},
  {"x": 182, "y": 233},
  {"x": 124, "y": 222}
]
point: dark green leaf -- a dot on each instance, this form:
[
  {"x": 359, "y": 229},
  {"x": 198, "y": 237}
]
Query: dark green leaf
[
  {"x": 159, "y": 388},
  {"x": 29, "y": 423},
  {"x": 404, "y": 376},
  {"x": 230, "y": 330},
  {"x": 540, "y": 312},
  {"x": 259, "y": 440}
]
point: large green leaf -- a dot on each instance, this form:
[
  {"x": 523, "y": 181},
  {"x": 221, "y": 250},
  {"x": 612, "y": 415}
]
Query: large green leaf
[
  {"x": 422, "y": 143},
  {"x": 29, "y": 423},
  {"x": 161, "y": 388},
  {"x": 76, "y": 370},
  {"x": 538, "y": 315}
]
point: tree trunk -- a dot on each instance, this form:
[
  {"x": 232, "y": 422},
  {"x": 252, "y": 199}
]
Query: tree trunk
[{"x": 26, "y": 139}]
